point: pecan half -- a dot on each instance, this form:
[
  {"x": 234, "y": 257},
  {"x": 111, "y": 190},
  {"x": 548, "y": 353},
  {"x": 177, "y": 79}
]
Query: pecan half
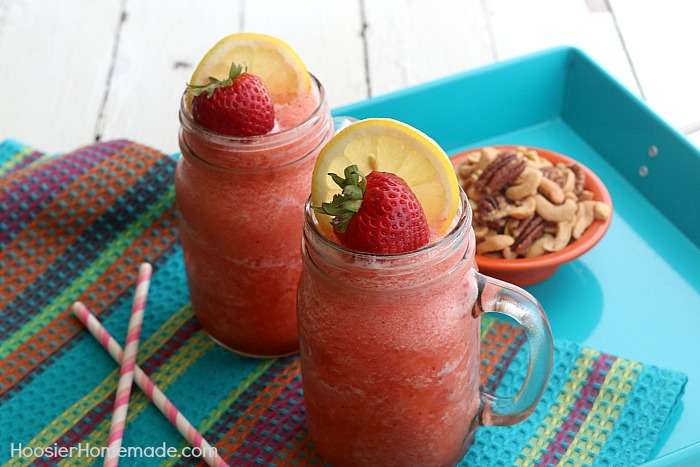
[
  {"x": 490, "y": 205},
  {"x": 500, "y": 173},
  {"x": 491, "y": 209},
  {"x": 529, "y": 230},
  {"x": 580, "y": 177}
]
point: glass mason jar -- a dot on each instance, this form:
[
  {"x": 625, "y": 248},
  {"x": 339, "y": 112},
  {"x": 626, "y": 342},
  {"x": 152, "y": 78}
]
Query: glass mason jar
[
  {"x": 241, "y": 210},
  {"x": 389, "y": 349}
]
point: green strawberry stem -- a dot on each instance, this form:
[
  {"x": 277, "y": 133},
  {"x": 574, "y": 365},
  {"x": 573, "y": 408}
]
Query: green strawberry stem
[
  {"x": 234, "y": 72},
  {"x": 346, "y": 204}
]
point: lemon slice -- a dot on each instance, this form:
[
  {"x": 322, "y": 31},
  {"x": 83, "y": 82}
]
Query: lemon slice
[
  {"x": 271, "y": 59},
  {"x": 388, "y": 145}
]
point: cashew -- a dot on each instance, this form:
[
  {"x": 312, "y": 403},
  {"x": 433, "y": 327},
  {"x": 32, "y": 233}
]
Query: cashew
[
  {"x": 562, "y": 238},
  {"x": 550, "y": 228},
  {"x": 488, "y": 154},
  {"x": 494, "y": 243},
  {"x": 585, "y": 195},
  {"x": 584, "y": 218},
  {"x": 508, "y": 253},
  {"x": 570, "y": 182},
  {"x": 554, "y": 213},
  {"x": 474, "y": 194},
  {"x": 537, "y": 248},
  {"x": 465, "y": 170},
  {"x": 473, "y": 157},
  {"x": 528, "y": 187},
  {"x": 601, "y": 211},
  {"x": 524, "y": 210},
  {"x": 511, "y": 227},
  {"x": 551, "y": 190},
  {"x": 571, "y": 195},
  {"x": 530, "y": 154},
  {"x": 480, "y": 232}
]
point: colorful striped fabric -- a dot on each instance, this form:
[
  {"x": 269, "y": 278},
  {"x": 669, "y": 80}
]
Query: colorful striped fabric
[{"x": 76, "y": 227}]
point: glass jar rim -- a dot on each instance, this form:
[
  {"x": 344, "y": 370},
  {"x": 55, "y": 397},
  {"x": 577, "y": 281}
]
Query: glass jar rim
[
  {"x": 272, "y": 151},
  {"x": 461, "y": 226},
  {"x": 187, "y": 121}
]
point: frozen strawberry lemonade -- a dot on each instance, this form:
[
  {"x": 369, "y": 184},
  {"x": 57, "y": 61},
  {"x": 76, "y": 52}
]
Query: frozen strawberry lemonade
[
  {"x": 252, "y": 123},
  {"x": 389, "y": 351},
  {"x": 390, "y": 354}
]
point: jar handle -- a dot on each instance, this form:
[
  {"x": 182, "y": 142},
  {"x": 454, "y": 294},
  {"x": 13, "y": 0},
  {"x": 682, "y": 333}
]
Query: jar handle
[{"x": 496, "y": 296}]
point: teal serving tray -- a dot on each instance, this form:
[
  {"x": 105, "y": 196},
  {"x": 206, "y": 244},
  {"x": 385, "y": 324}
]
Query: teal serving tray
[{"x": 637, "y": 293}]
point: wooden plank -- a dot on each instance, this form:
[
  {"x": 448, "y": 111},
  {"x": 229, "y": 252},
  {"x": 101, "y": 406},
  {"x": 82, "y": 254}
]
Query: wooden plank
[
  {"x": 160, "y": 43},
  {"x": 55, "y": 64},
  {"x": 325, "y": 34},
  {"x": 662, "y": 39},
  {"x": 412, "y": 42},
  {"x": 521, "y": 27}
]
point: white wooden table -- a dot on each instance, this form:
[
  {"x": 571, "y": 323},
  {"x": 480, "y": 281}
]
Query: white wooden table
[{"x": 74, "y": 71}]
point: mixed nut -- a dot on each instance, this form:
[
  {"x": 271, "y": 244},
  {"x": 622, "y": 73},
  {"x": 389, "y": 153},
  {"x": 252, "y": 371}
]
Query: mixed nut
[{"x": 523, "y": 204}]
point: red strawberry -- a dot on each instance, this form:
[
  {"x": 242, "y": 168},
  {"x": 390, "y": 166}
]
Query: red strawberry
[
  {"x": 237, "y": 106},
  {"x": 376, "y": 214}
]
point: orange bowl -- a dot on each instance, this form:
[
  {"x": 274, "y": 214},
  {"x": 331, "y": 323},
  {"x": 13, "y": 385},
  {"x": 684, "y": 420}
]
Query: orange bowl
[{"x": 528, "y": 271}]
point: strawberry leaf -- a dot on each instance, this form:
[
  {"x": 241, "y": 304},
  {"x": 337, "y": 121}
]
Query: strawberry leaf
[
  {"x": 234, "y": 72},
  {"x": 353, "y": 192},
  {"x": 345, "y": 205}
]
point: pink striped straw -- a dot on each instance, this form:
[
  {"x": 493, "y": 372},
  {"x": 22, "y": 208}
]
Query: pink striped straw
[
  {"x": 128, "y": 363},
  {"x": 156, "y": 396}
]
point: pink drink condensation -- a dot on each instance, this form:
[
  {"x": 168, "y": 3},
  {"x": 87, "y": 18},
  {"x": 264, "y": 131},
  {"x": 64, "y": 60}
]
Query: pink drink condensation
[{"x": 241, "y": 204}]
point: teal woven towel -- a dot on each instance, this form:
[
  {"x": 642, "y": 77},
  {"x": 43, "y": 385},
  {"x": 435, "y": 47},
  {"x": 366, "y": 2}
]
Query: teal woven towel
[
  {"x": 598, "y": 409},
  {"x": 76, "y": 226}
]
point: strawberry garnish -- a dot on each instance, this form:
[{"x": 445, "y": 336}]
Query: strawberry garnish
[
  {"x": 240, "y": 105},
  {"x": 376, "y": 214}
]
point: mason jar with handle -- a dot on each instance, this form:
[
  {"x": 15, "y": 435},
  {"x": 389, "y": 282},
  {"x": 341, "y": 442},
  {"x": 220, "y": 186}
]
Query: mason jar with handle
[{"x": 389, "y": 348}]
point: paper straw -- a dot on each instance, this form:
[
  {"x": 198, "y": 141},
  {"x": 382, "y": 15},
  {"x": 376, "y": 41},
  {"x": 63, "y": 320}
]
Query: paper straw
[
  {"x": 128, "y": 362},
  {"x": 156, "y": 396}
]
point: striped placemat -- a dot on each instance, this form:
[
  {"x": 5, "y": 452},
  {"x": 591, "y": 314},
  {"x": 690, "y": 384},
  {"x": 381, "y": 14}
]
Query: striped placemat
[{"x": 76, "y": 227}]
